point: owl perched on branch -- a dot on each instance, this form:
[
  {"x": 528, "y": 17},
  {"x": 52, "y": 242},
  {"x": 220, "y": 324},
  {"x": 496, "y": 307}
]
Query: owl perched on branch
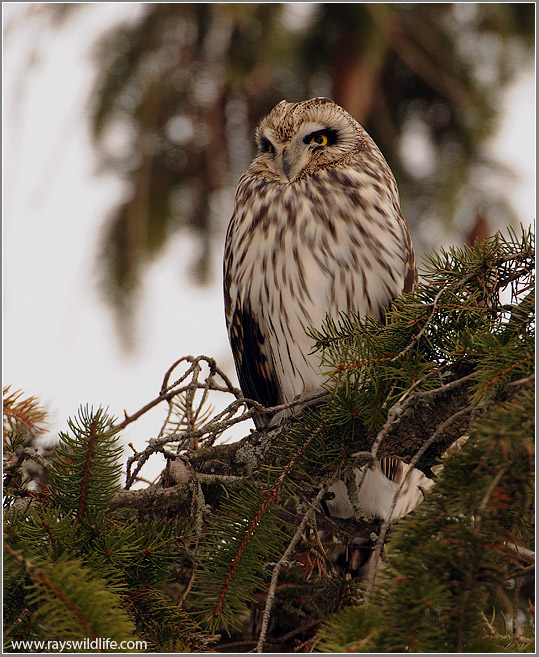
[{"x": 317, "y": 229}]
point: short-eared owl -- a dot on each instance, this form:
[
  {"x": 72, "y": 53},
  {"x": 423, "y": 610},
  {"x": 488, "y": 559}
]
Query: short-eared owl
[{"x": 317, "y": 229}]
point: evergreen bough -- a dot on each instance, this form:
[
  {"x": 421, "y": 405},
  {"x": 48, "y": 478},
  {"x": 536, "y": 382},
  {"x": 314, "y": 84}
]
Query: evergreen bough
[
  {"x": 232, "y": 540},
  {"x": 72, "y": 569}
]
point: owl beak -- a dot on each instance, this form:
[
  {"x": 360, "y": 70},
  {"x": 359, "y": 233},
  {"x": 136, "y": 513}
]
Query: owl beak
[{"x": 286, "y": 166}]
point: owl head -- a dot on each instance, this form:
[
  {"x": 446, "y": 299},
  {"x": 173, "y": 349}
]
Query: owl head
[{"x": 296, "y": 139}]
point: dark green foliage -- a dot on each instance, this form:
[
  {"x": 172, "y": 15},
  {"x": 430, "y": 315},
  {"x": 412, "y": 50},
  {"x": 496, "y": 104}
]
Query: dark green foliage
[
  {"x": 70, "y": 602},
  {"x": 355, "y": 629},
  {"x": 447, "y": 567},
  {"x": 239, "y": 541},
  {"x": 253, "y": 525},
  {"x": 455, "y": 316},
  {"x": 85, "y": 471},
  {"x": 247, "y": 551},
  {"x": 249, "y": 533},
  {"x": 76, "y": 571},
  {"x": 455, "y": 349},
  {"x": 164, "y": 625}
]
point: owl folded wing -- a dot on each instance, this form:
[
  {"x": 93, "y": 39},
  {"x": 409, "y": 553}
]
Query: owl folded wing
[{"x": 255, "y": 370}]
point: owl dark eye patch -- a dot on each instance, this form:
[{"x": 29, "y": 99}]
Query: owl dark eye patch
[
  {"x": 320, "y": 137},
  {"x": 266, "y": 146}
]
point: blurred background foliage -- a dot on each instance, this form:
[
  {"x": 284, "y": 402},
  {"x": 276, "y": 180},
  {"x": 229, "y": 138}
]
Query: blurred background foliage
[{"x": 181, "y": 89}]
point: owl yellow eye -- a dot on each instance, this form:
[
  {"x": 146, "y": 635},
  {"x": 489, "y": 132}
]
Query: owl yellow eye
[{"x": 321, "y": 138}]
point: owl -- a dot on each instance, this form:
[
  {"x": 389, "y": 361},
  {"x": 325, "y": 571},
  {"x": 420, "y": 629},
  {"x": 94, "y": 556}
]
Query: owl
[{"x": 317, "y": 230}]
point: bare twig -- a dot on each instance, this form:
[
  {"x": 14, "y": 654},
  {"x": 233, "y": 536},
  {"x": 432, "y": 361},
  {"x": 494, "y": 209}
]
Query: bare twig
[
  {"x": 516, "y": 595},
  {"x": 277, "y": 569},
  {"x": 212, "y": 428},
  {"x": 17, "y": 622},
  {"x": 167, "y": 391},
  {"x": 34, "y": 455},
  {"x": 486, "y": 500},
  {"x": 299, "y": 401},
  {"x": 522, "y": 382},
  {"x": 209, "y": 431}
]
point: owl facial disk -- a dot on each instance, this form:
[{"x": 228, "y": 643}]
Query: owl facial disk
[{"x": 296, "y": 140}]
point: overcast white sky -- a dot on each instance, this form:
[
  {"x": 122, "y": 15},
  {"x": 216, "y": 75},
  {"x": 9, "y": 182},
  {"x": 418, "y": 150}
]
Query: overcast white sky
[{"x": 59, "y": 342}]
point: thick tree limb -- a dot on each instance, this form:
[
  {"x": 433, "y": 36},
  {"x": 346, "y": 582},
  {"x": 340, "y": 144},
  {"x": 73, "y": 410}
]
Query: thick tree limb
[
  {"x": 420, "y": 427},
  {"x": 411, "y": 423}
]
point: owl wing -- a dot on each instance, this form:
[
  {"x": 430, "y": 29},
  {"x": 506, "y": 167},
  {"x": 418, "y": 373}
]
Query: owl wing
[
  {"x": 410, "y": 269},
  {"x": 255, "y": 370}
]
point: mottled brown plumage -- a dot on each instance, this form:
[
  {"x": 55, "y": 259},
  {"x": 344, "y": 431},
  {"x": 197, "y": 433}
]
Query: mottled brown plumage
[{"x": 317, "y": 229}]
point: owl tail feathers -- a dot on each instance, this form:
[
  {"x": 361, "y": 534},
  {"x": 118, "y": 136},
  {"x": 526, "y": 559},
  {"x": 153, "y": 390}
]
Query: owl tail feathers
[
  {"x": 378, "y": 491},
  {"x": 375, "y": 498}
]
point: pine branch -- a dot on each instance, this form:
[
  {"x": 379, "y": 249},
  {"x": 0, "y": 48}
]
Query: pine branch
[
  {"x": 19, "y": 414},
  {"x": 446, "y": 562},
  {"x": 449, "y": 361},
  {"x": 166, "y": 627},
  {"x": 85, "y": 470},
  {"x": 442, "y": 428},
  {"x": 252, "y": 537},
  {"x": 231, "y": 558},
  {"x": 68, "y": 600}
]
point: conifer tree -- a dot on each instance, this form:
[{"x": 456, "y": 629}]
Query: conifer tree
[
  {"x": 75, "y": 571},
  {"x": 230, "y": 549}
]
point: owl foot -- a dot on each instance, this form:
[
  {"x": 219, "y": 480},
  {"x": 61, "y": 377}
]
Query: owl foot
[
  {"x": 306, "y": 399},
  {"x": 299, "y": 403}
]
